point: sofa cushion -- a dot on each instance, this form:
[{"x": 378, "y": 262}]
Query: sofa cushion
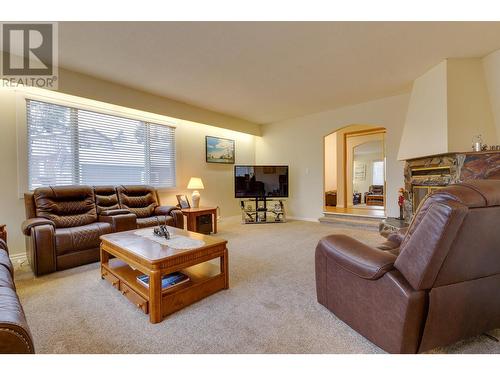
[
  {"x": 141, "y": 200},
  {"x": 153, "y": 221},
  {"x": 66, "y": 206},
  {"x": 69, "y": 240}
]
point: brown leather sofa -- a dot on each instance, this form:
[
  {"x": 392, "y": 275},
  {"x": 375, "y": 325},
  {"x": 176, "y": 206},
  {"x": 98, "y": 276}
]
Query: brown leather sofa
[
  {"x": 434, "y": 285},
  {"x": 15, "y": 336},
  {"x": 143, "y": 201},
  {"x": 63, "y": 223}
]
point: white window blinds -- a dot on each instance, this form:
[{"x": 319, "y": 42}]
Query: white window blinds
[{"x": 75, "y": 146}]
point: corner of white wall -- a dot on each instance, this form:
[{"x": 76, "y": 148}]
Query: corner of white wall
[{"x": 491, "y": 66}]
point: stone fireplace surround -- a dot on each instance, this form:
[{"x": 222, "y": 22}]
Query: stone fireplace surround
[{"x": 438, "y": 171}]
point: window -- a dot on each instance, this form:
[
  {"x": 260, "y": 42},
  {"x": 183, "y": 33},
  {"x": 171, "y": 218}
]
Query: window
[
  {"x": 378, "y": 172},
  {"x": 75, "y": 146}
]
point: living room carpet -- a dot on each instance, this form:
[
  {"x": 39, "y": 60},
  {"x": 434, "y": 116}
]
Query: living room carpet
[{"x": 270, "y": 307}]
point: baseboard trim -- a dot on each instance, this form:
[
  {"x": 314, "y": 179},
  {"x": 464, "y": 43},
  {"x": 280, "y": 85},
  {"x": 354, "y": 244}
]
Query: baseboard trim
[{"x": 18, "y": 259}]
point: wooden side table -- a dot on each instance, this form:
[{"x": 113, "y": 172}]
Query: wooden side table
[{"x": 192, "y": 213}]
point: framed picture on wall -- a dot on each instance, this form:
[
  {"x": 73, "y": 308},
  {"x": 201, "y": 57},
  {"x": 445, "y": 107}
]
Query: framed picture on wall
[
  {"x": 219, "y": 150},
  {"x": 183, "y": 201},
  {"x": 359, "y": 171}
]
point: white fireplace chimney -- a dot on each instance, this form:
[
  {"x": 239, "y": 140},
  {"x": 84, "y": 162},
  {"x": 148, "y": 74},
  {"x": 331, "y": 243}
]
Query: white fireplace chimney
[{"x": 448, "y": 106}]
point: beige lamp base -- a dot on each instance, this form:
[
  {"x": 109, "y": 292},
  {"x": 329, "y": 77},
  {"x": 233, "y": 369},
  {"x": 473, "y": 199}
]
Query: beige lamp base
[{"x": 196, "y": 199}]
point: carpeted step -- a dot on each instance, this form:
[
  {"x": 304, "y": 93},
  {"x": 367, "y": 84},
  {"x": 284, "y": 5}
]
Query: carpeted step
[{"x": 359, "y": 222}]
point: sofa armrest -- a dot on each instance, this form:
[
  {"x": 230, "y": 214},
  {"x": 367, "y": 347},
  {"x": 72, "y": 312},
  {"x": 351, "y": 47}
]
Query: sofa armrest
[
  {"x": 164, "y": 210},
  {"x": 35, "y": 222},
  {"x": 118, "y": 211},
  {"x": 15, "y": 336},
  {"x": 41, "y": 249},
  {"x": 120, "y": 222},
  {"x": 178, "y": 217},
  {"x": 356, "y": 257}
]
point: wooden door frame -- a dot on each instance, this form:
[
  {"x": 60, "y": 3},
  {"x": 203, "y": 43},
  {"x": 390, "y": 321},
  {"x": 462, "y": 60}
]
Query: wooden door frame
[{"x": 358, "y": 133}]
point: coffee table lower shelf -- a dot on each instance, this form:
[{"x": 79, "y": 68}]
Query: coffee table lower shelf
[{"x": 205, "y": 279}]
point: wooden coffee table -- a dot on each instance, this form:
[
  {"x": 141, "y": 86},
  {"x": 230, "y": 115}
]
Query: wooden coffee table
[{"x": 135, "y": 255}]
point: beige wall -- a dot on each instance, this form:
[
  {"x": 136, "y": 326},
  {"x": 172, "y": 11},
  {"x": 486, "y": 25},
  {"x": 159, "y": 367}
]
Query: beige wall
[
  {"x": 299, "y": 143},
  {"x": 331, "y": 162},
  {"x": 218, "y": 179},
  {"x": 11, "y": 207},
  {"x": 491, "y": 65},
  {"x": 190, "y": 148},
  {"x": 451, "y": 103},
  {"x": 469, "y": 110},
  {"x": 425, "y": 129}
]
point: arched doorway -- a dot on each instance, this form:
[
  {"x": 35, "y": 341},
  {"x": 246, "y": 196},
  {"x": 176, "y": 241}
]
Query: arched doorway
[{"x": 354, "y": 170}]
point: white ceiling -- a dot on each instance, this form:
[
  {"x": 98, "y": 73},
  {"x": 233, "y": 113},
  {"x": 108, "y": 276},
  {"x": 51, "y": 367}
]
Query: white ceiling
[{"x": 269, "y": 71}]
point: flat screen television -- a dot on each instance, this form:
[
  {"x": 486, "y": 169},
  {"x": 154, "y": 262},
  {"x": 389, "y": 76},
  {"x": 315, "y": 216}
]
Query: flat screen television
[{"x": 261, "y": 181}]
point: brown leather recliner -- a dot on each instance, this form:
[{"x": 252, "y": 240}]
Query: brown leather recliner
[
  {"x": 15, "y": 336},
  {"x": 63, "y": 223},
  {"x": 143, "y": 201},
  {"x": 62, "y": 228},
  {"x": 439, "y": 282}
]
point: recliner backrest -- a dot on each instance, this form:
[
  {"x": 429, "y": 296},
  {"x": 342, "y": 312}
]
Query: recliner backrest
[
  {"x": 66, "y": 206},
  {"x": 452, "y": 236},
  {"x": 141, "y": 200},
  {"x": 376, "y": 189},
  {"x": 106, "y": 198}
]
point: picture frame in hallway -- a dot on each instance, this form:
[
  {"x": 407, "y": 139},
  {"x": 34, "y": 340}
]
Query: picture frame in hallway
[
  {"x": 359, "y": 171},
  {"x": 219, "y": 150}
]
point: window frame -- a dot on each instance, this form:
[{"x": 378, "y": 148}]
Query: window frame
[{"x": 77, "y": 103}]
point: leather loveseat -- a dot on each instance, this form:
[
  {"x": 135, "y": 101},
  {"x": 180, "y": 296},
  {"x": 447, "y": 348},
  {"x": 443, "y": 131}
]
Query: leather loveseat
[
  {"x": 63, "y": 223},
  {"x": 15, "y": 336},
  {"x": 437, "y": 284}
]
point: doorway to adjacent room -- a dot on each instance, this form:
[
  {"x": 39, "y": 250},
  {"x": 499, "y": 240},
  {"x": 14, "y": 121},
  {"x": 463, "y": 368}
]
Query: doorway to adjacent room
[{"x": 354, "y": 171}]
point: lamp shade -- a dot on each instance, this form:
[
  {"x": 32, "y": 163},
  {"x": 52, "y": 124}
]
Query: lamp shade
[{"x": 195, "y": 183}]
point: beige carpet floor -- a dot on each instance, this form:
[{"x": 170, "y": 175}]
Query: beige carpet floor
[{"x": 270, "y": 307}]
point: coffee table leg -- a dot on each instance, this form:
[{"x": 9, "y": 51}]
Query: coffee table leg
[
  {"x": 155, "y": 297},
  {"x": 104, "y": 258},
  {"x": 224, "y": 268}
]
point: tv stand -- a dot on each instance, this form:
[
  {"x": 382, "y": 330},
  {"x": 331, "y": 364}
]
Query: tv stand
[{"x": 262, "y": 210}]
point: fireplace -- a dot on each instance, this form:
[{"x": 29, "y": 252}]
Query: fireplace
[{"x": 425, "y": 175}]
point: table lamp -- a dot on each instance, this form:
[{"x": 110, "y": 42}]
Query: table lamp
[{"x": 195, "y": 183}]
